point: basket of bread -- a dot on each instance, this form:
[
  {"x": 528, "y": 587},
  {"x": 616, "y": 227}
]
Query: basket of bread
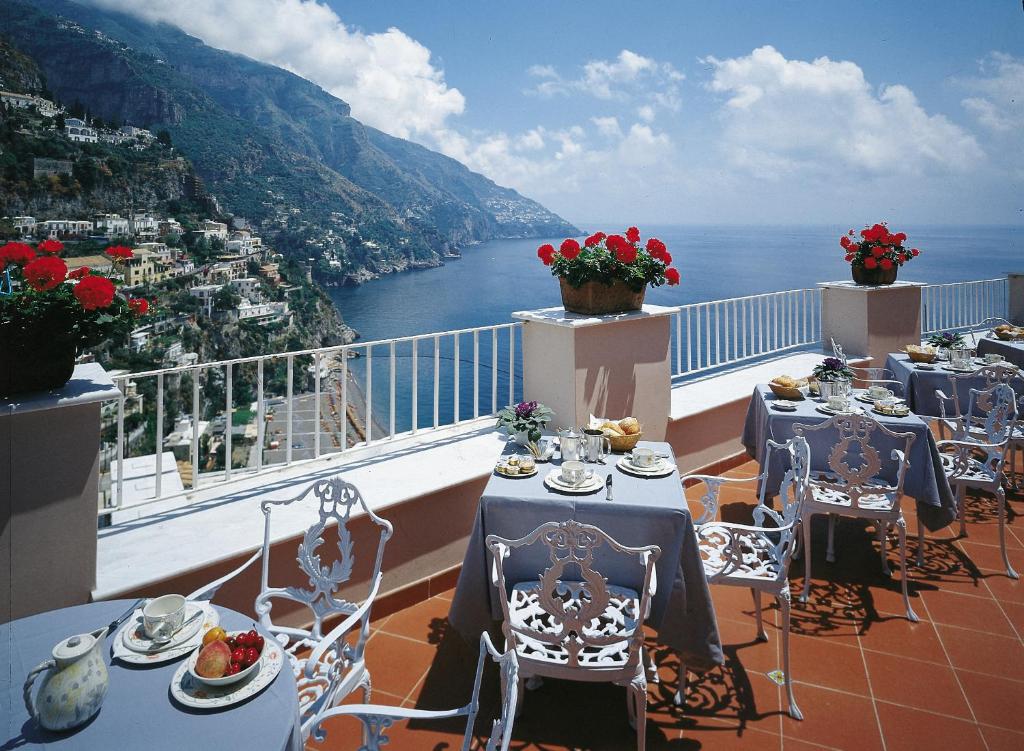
[
  {"x": 918, "y": 353},
  {"x": 622, "y": 434},
  {"x": 1009, "y": 333},
  {"x": 787, "y": 387}
]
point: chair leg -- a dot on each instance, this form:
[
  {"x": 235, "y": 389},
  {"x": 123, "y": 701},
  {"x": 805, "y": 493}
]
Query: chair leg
[
  {"x": 830, "y": 553},
  {"x": 901, "y": 529},
  {"x": 636, "y": 703},
  {"x": 961, "y": 499},
  {"x": 805, "y": 526},
  {"x": 920, "y": 542},
  {"x": 520, "y": 693},
  {"x": 883, "y": 534},
  {"x": 784, "y": 605},
  {"x": 652, "y": 670},
  {"x": 1001, "y": 498},
  {"x": 761, "y": 634},
  {"x": 367, "y": 687},
  {"x": 680, "y": 698}
]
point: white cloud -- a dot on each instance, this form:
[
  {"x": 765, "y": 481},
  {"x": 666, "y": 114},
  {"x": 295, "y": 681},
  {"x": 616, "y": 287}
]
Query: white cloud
[
  {"x": 629, "y": 75},
  {"x": 645, "y": 113},
  {"x": 998, "y": 101},
  {"x": 783, "y": 116},
  {"x": 608, "y": 126},
  {"x": 388, "y": 78}
]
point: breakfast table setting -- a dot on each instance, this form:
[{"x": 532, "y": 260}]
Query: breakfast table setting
[
  {"x": 922, "y": 379},
  {"x": 1011, "y": 350},
  {"x": 636, "y": 497},
  {"x": 162, "y": 673}
]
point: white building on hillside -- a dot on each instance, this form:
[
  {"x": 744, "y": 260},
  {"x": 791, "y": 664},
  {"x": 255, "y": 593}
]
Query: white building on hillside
[
  {"x": 45, "y": 107},
  {"x": 205, "y": 294},
  {"x": 112, "y": 225},
  {"x": 211, "y": 229},
  {"x": 79, "y": 130},
  {"x": 59, "y": 228}
]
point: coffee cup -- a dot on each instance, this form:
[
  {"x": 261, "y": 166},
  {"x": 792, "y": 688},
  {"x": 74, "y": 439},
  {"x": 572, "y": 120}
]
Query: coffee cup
[
  {"x": 573, "y": 472},
  {"x": 992, "y": 358},
  {"x": 879, "y": 392},
  {"x": 526, "y": 463},
  {"x": 837, "y": 403},
  {"x": 643, "y": 457},
  {"x": 164, "y": 609}
]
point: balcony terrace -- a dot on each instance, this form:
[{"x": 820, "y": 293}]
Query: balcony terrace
[{"x": 410, "y": 422}]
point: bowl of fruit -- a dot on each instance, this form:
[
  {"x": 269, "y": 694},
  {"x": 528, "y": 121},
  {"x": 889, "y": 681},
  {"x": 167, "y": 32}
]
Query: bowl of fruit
[{"x": 226, "y": 657}]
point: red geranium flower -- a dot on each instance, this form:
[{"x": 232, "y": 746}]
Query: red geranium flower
[
  {"x": 546, "y": 253},
  {"x": 849, "y": 257},
  {"x": 119, "y": 252},
  {"x": 625, "y": 253},
  {"x": 845, "y": 242},
  {"x": 654, "y": 245},
  {"x": 45, "y": 273},
  {"x": 138, "y": 305},
  {"x": 94, "y": 292},
  {"x": 16, "y": 253},
  {"x": 885, "y": 263},
  {"x": 878, "y": 251},
  {"x": 870, "y": 263},
  {"x": 569, "y": 248},
  {"x": 915, "y": 252},
  {"x": 80, "y": 272},
  {"x": 633, "y": 235},
  {"x": 672, "y": 275},
  {"x": 51, "y": 246},
  {"x": 594, "y": 239},
  {"x": 899, "y": 237},
  {"x": 614, "y": 242}
]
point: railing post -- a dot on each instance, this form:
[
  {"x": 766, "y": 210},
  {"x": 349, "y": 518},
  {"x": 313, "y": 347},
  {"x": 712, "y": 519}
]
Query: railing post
[
  {"x": 1015, "y": 297},
  {"x": 870, "y": 321}
]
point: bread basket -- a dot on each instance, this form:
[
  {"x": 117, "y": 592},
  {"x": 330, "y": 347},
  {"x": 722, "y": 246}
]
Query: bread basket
[
  {"x": 920, "y": 354},
  {"x": 786, "y": 392},
  {"x": 1009, "y": 335},
  {"x": 622, "y": 443}
]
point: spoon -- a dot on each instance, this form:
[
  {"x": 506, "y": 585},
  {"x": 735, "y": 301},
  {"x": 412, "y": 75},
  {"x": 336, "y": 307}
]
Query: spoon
[{"x": 164, "y": 633}]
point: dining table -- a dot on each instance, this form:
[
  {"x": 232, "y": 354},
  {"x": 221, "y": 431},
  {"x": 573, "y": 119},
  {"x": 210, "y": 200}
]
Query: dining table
[
  {"x": 138, "y": 711},
  {"x": 925, "y": 480},
  {"x": 644, "y": 511},
  {"x": 921, "y": 381},
  {"x": 1012, "y": 351}
]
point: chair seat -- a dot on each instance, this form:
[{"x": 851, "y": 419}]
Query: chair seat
[
  {"x": 882, "y": 501},
  {"x": 976, "y": 471},
  {"x": 759, "y": 557},
  {"x": 620, "y": 620}
]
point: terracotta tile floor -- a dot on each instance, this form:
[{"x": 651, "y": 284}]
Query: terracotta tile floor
[{"x": 865, "y": 677}]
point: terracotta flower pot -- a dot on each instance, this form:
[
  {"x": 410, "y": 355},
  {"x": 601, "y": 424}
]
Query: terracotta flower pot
[
  {"x": 874, "y": 277},
  {"x": 597, "y": 298}
]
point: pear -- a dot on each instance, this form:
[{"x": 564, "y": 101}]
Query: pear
[{"x": 213, "y": 660}]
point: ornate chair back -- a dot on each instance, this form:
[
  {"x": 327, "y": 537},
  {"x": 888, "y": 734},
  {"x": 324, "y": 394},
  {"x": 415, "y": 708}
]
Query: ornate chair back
[
  {"x": 337, "y": 501},
  {"x": 570, "y": 625},
  {"x": 990, "y": 419},
  {"x": 793, "y": 492},
  {"x": 854, "y": 462},
  {"x": 992, "y": 374}
]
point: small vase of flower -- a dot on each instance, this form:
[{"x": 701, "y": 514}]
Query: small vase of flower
[
  {"x": 946, "y": 342},
  {"x": 834, "y": 377},
  {"x": 608, "y": 273},
  {"x": 524, "y": 422},
  {"x": 876, "y": 258}
]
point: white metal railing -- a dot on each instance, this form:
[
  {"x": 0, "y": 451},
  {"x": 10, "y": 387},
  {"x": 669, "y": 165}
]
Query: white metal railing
[
  {"x": 715, "y": 334},
  {"x": 963, "y": 305},
  {"x": 299, "y": 406}
]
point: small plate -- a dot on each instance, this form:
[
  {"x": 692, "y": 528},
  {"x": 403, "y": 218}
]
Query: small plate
[
  {"x": 662, "y": 469},
  {"x": 189, "y": 692},
  {"x": 883, "y": 413},
  {"x": 179, "y": 648},
  {"x": 825, "y": 409},
  {"x": 864, "y": 398},
  {"x": 553, "y": 481},
  {"x": 518, "y": 475},
  {"x": 968, "y": 369},
  {"x": 924, "y": 366},
  {"x": 783, "y": 405}
]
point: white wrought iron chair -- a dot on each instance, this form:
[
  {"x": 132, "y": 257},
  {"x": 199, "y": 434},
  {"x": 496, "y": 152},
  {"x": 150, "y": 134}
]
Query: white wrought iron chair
[
  {"x": 756, "y": 556},
  {"x": 950, "y": 408},
  {"x": 333, "y": 667},
  {"x": 858, "y": 491},
  {"x": 987, "y": 325},
  {"x": 975, "y": 457},
  {"x": 569, "y": 622},
  {"x": 865, "y": 377},
  {"x": 378, "y": 718}
]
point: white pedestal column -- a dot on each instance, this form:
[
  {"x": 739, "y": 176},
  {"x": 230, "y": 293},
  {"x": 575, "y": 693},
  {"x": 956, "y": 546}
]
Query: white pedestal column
[
  {"x": 871, "y": 321},
  {"x": 49, "y": 468},
  {"x": 610, "y": 366},
  {"x": 1015, "y": 303}
]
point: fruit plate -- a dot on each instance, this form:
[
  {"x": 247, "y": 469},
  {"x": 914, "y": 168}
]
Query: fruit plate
[
  {"x": 189, "y": 692},
  {"x": 898, "y": 412},
  {"x": 554, "y": 482},
  {"x": 518, "y": 476},
  {"x": 661, "y": 469},
  {"x": 180, "y": 646}
]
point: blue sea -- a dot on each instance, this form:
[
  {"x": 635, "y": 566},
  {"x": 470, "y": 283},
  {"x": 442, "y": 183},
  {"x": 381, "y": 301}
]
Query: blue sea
[{"x": 493, "y": 279}]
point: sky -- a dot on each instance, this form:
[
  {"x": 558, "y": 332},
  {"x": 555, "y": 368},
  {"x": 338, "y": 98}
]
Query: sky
[{"x": 726, "y": 112}]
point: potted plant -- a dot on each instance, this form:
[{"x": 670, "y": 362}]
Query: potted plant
[
  {"x": 876, "y": 259},
  {"x": 48, "y": 315},
  {"x": 947, "y": 341},
  {"x": 608, "y": 273},
  {"x": 834, "y": 377},
  {"x": 524, "y": 422}
]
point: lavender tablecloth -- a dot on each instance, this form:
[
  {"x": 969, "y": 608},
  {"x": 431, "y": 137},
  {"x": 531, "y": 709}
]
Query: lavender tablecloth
[
  {"x": 919, "y": 384},
  {"x": 138, "y": 711},
  {"x": 1012, "y": 351},
  {"x": 925, "y": 480},
  {"x": 646, "y": 511}
]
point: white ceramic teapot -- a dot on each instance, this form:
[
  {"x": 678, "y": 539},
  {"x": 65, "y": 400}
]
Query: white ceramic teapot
[{"x": 74, "y": 685}]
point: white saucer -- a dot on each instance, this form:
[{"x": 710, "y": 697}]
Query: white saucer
[
  {"x": 783, "y": 405},
  {"x": 863, "y": 397},
  {"x": 553, "y": 480},
  {"x": 951, "y": 369},
  {"x": 825, "y": 409},
  {"x": 924, "y": 366},
  {"x": 178, "y": 647},
  {"x": 188, "y": 691},
  {"x": 661, "y": 469}
]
